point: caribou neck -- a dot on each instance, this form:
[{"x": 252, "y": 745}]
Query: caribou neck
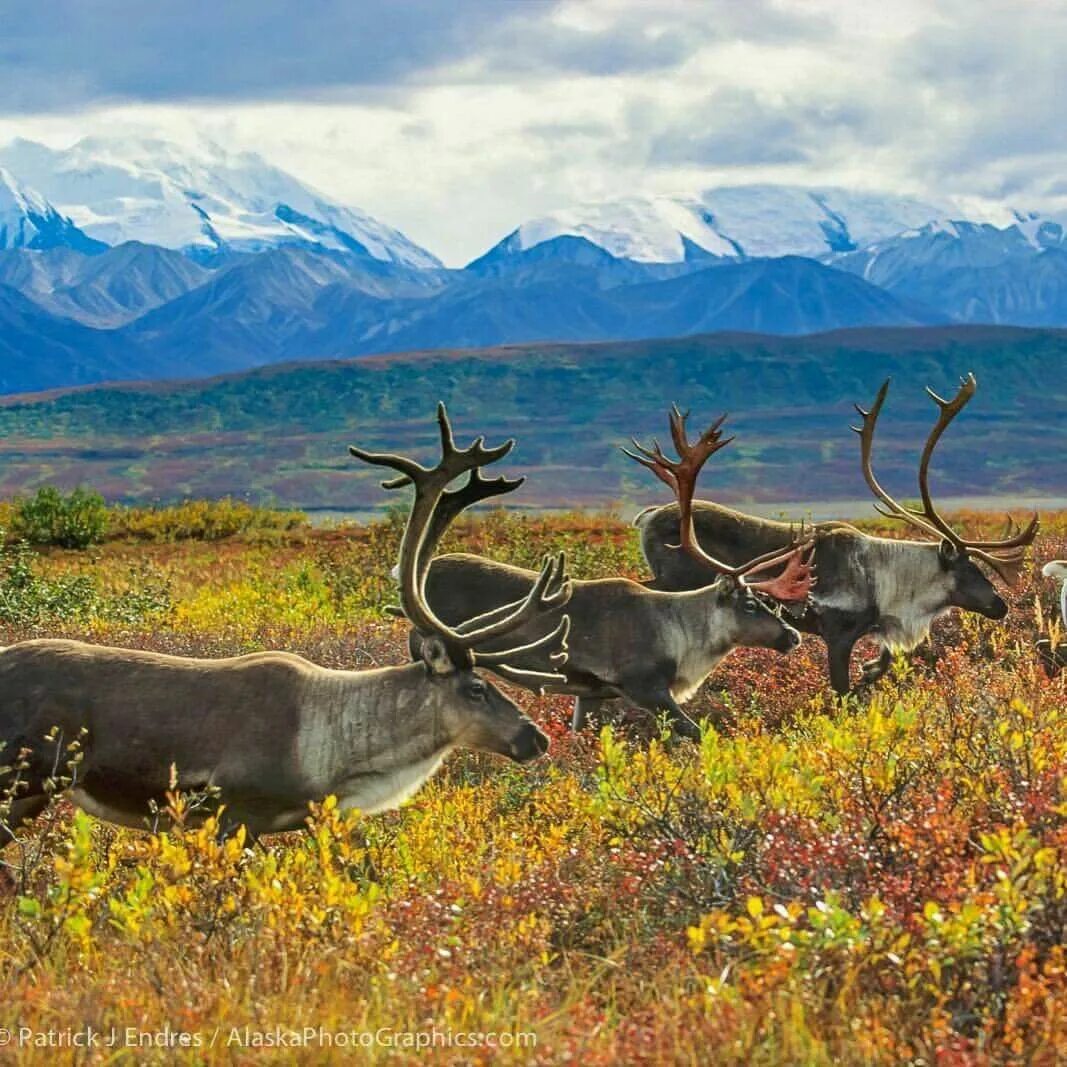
[
  {"x": 910, "y": 589},
  {"x": 387, "y": 723},
  {"x": 700, "y": 612},
  {"x": 702, "y": 634}
]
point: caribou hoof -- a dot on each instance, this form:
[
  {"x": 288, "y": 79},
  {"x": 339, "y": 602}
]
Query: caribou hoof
[
  {"x": 872, "y": 672},
  {"x": 685, "y": 728}
]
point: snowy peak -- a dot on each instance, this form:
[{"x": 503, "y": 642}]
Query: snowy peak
[
  {"x": 28, "y": 220},
  {"x": 975, "y": 272},
  {"x": 775, "y": 220},
  {"x": 954, "y": 242},
  {"x": 732, "y": 221},
  {"x": 646, "y": 230},
  {"x": 14, "y": 196},
  {"x": 206, "y": 201}
]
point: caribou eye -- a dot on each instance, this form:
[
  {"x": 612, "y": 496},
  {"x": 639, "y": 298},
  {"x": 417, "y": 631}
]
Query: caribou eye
[
  {"x": 750, "y": 605},
  {"x": 478, "y": 689}
]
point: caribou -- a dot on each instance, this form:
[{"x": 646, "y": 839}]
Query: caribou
[
  {"x": 1056, "y": 569},
  {"x": 891, "y": 590},
  {"x": 1053, "y": 654},
  {"x": 651, "y": 647},
  {"x": 270, "y": 732}
]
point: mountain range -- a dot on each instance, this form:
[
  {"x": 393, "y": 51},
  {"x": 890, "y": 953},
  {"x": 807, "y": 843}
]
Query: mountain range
[{"x": 137, "y": 259}]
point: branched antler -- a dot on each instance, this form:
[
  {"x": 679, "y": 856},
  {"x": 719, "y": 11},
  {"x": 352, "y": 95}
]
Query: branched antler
[
  {"x": 794, "y": 583},
  {"x": 434, "y": 507},
  {"x": 1005, "y": 556}
]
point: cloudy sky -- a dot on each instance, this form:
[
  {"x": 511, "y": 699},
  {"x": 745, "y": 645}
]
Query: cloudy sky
[{"x": 457, "y": 119}]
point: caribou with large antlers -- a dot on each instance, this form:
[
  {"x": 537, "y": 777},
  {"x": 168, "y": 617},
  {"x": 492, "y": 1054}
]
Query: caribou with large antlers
[
  {"x": 268, "y": 733},
  {"x": 653, "y": 648},
  {"x": 889, "y": 589}
]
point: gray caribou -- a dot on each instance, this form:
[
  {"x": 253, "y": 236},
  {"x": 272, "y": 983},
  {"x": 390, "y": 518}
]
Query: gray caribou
[
  {"x": 653, "y": 648},
  {"x": 889, "y": 589},
  {"x": 270, "y": 732}
]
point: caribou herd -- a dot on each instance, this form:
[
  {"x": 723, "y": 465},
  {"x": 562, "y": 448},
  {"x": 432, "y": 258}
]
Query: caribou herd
[{"x": 266, "y": 734}]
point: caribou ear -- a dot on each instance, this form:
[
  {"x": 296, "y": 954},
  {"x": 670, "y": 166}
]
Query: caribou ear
[
  {"x": 435, "y": 655},
  {"x": 948, "y": 553}
]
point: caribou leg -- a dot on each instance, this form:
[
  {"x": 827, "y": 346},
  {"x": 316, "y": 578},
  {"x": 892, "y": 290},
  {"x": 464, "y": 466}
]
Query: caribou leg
[
  {"x": 229, "y": 824},
  {"x": 1053, "y": 660},
  {"x": 841, "y": 630},
  {"x": 873, "y": 669},
  {"x": 657, "y": 699},
  {"x": 583, "y": 708},
  {"x": 839, "y": 645}
]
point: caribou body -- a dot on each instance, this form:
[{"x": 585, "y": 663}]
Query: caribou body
[
  {"x": 655, "y": 649},
  {"x": 868, "y": 586},
  {"x": 891, "y": 590},
  {"x": 651, "y": 647},
  {"x": 268, "y": 733}
]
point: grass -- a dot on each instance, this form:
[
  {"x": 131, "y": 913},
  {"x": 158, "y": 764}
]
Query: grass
[{"x": 878, "y": 881}]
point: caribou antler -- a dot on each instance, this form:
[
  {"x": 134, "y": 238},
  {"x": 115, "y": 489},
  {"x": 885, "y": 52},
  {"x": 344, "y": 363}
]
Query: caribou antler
[
  {"x": 434, "y": 507},
  {"x": 1005, "y": 556},
  {"x": 455, "y": 501},
  {"x": 794, "y": 583}
]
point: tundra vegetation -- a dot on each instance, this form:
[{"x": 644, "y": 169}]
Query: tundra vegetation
[{"x": 875, "y": 880}]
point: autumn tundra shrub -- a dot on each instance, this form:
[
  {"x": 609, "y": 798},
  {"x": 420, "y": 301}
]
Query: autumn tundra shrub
[
  {"x": 202, "y": 520},
  {"x": 67, "y": 520},
  {"x": 875, "y": 880},
  {"x": 33, "y": 596}
]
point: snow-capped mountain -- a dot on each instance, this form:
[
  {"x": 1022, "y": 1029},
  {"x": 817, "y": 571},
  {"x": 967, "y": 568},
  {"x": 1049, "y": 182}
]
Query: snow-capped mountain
[
  {"x": 975, "y": 272},
  {"x": 28, "y": 220},
  {"x": 949, "y": 243},
  {"x": 137, "y": 258},
  {"x": 743, "y": 220},
  {"x": 205, "y": 201}
]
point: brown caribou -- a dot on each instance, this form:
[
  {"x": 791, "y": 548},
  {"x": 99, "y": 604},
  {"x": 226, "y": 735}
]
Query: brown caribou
[{"x": 270, "y": 732}]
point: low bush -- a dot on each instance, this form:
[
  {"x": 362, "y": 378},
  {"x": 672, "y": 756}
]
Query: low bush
[
  {"x": 67, "y": 520},
  {"x": 878, "y": 880},
  {"x": 30, "y": 597},
  {"x": 201, "y": 520}
]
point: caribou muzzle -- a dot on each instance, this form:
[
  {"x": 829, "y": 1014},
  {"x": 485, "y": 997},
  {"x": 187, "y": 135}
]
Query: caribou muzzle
[
  {"x": 528, "y": 744},
  {"x": 789, "y": 640},
  {"x": 995, "y": 609},
  {"x": 973, "y": 591}
]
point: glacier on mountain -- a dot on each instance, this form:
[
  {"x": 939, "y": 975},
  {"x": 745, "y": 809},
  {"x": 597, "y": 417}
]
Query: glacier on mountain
[
  {"x": 206, "y": 201},
  {"x": 742, "y": 220},
  {"x": 28, "y": 220}
]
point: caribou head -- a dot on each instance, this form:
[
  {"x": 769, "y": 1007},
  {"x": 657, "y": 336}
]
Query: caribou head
[
  {"x": 966, "y": 585},
  {"x": 754, "y": 621}
]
